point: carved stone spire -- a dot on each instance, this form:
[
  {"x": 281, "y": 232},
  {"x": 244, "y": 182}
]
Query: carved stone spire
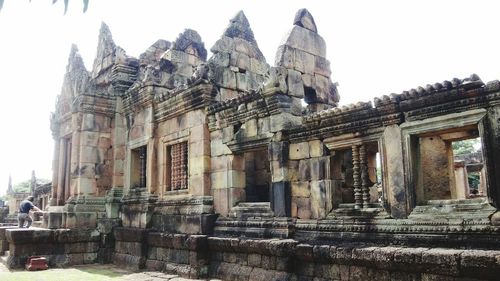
[
  {"x": 75, "y": 79},
  {"x": 190, "y": 42},
  {"x": 179, "y": 62},
  {"x": 303, "y": 53},
  {"x": 106, "y": 48},
  {"x": 237, "y": 65},
  {"x": 304, "y": 19},
  {"x": 33, "y": 182},
  {"x": 75, "y": 61},
  {"x": 9, "y": 187}
]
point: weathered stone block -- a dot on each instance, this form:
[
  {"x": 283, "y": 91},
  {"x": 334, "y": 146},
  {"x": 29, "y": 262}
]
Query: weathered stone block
[
  {"x": 318, "y": 199},
  {"x": 303, "y": 207},
  {"x": 300, "y": 189},
  {"x": 304, "y": 170},
  {"x": 317, "y": 148},
  {"x": 306, "y": 40},
  {"x": 218, "y": 148},
  {"x": 258, "y": 66},
  {"x": 304, "y": 61},
  {"x": 319, "y": 167},
  {"x": 199, "y": 165},
  {"x": 242, "y": 81},
  {"x": 285, "y": 57},
  {"x": 27, "y": 236},
  {"x": 394, "y": 177},
  {"x": 278, "y": 171},
  {"x": 55, "y": 220},
  {"x": 442, "y": 260},
  {"x": 254, "y": 260},
  {"x": 295, "y": 85},
  {"x": 130, "y": 234},
  {"x": 154, "y": 265},
  {"x": 281, "y": 198},
  {"x": 240, "y": 60},
  {"x": 283, "y": 121},
  {"x": 224, "y": 44},
  {"x": 299, "y": 151},
  {"x": 81, "y": 220}
]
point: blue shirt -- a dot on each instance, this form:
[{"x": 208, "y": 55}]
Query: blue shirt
[{"x": 25, "y": 206}]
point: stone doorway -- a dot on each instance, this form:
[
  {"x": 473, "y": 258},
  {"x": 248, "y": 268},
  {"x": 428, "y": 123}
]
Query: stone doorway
[{"x": 257, "y": 176}]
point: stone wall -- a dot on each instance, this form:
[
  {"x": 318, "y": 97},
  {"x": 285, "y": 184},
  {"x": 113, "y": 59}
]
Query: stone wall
[
  {"x": 244, "y": 259},
  {"x": 61, "y": 247},
  {"x": 185, "y": 255}
]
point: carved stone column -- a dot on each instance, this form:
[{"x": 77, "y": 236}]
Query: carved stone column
[
  {"x": 358, "y": 200},
  {"x": 55, "y": 173},
  {"x": 61, "y": 172},
  {"x": 364, "y": 176}
]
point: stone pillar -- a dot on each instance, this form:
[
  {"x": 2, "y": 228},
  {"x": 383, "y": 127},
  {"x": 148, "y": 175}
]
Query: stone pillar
[
  {"x": 67, "y": 170},
  {"x": 227, "y": 176},
  {"x": 490, "y": 127},
  {"x": 358, "y": 200},
  {"x": 482, "y": 182},
  {"x": 365, "y": 189},
  {"x": 119, "y": 149},
  {"x": 55, "y": 173},
  {"x": 281, "y": 194},
  {"x": 461, "y": 182},
  {"x": 61, "y": 172},
  {"x": 395, "y": 191}
]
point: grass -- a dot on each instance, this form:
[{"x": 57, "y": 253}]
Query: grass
[{"x": 84, "y": 273}]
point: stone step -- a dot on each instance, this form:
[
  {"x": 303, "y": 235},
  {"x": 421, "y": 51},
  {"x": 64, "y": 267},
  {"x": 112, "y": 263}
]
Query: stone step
[
  {"x": 452, "y": 208},
  {"x": 254, "y": 204},
  {"x": 458, "y": 201},
  {"x": 252, "y": 209},
  {"x": 470, "y": 209}
]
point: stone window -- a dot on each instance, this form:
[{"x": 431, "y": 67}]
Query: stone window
[
  {"x": 138, "y": 161},
  {"x": 446, "y": 164},
  {"x": 177, "y": 166},
  {"x": 356, "y": 176}
]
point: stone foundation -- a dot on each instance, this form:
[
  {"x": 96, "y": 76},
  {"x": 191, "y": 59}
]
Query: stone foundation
[
  {"x": 181, "y": 254},
  {"x": 239, "y": 259},
  {"x": 61, "y": 247}
]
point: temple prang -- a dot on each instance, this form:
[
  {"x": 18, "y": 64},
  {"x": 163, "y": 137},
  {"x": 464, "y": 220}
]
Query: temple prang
[{"x": 223, "y": 166}]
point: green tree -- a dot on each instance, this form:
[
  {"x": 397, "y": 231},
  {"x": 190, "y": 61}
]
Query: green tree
[
  {"x": 465, "y": 146},
  {"x": 24, "y": 186},
  {"x": 66, "y": 2}
]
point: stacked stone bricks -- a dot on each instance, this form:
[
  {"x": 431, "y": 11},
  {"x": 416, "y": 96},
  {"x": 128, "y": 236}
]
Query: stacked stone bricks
[
  {"x": 237, "y": 64},
  {"x": 303, "y": 54}
]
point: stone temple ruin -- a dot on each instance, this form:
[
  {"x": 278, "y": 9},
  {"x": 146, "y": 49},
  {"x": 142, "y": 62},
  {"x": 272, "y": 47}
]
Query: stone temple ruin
[{"x": 226, "y": 167}]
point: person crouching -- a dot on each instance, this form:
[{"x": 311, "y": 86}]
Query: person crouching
[{"x": 24, "y": 212}]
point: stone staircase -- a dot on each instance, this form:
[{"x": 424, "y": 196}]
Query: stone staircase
[
  {"x": 347, "y": 211},
  {"x": 248, "y": 210},
  {"x": 253, "y": 219},
  {"x": 461, "y": 209}
]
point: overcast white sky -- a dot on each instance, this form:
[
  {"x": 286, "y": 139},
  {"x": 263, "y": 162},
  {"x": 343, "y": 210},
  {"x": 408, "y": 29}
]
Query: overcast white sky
[{"x": 375, "y": 48}]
